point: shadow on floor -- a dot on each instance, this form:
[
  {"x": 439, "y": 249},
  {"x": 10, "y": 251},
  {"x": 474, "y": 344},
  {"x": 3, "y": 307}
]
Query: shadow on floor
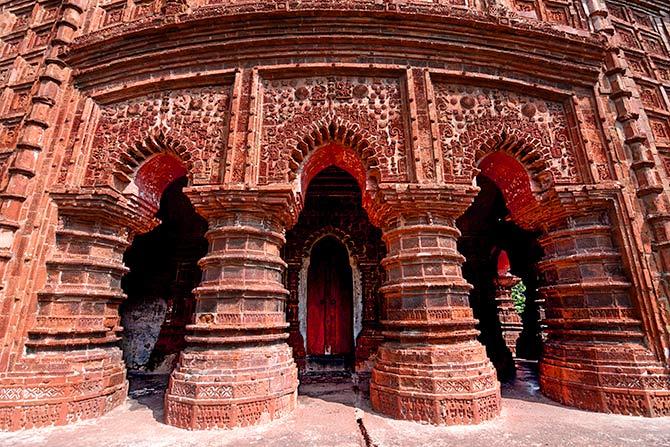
[
  {"x": 148, "y": 390},
  {"x": 526, "y": 384}
]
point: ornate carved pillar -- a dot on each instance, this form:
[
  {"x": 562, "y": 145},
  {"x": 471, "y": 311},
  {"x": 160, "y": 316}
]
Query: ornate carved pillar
[
  {"x": 73, "y": 368},
  {"x": 237, "y": 369},
  {"x": 595, "y": 355},
  {"x": 431, "y": 367},
  {"x": 510, "y": 320}
]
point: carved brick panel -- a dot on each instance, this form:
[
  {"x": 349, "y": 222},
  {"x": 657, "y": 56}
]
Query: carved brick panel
[
  {"x": 592, "y": 135},
  {"x": 558, "y": 12},
  {"x": 191, "y": 123},
  {"x": 373, "y": 106},
  {"x": 469, "y": 117}
]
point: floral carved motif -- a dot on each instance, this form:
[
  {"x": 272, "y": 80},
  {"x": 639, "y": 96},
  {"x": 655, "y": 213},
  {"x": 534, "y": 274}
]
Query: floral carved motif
[
  {"x": 666, "y": 162},
  {"x": 190, "y": 123},
  {"x": 586, "y": 111},
  {"x": 474, "y": 119},
  {"x": 660, "y": 127},
  {"x": 354, "y": 111}
]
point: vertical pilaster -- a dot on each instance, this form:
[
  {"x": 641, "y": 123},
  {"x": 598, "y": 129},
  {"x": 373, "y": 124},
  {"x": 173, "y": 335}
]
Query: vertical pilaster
[
  {"x": 21, "y": 190},
  {"x": 238, "y": 369},
  {"x": 370, "y": 338},
  {"x": 295, "y": 338},
  {"x": 430, "y": 367},
  {"x": 645, "y": 165}
]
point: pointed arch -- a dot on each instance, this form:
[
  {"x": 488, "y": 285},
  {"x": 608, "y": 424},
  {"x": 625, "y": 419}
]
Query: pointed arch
[
  {"x": 159, "y": 140},
  {"x": 524, "y": 144},
  {"x": 355, "y": 255},
  {"x": 150, "y": 165},
  {"x": 512, "y": 180},
  {"x": 335, "y": 132},
  {"x": 329, "y": 230}
]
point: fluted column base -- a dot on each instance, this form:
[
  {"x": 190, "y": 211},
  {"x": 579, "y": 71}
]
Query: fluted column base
[
  {"x": 431, "y": 368},
  {"x": 238, "y": 369},
  {"x": 234, "y": 387},
  {"x": 439, "y": 384}
]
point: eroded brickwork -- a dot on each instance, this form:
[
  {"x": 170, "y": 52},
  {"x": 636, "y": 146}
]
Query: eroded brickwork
[{"x": 103, "y": 104}]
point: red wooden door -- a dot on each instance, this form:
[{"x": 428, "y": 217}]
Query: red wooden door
[{"x": 329, "y": 300}]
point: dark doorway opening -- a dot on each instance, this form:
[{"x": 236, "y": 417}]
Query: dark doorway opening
[
  {"x": 163, "y": 272},
  {"x": 330, "y": 304},
  {"x": 487, "y": 231}
]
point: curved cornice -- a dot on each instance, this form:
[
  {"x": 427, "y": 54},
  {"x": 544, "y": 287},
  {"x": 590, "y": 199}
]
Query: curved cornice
[
  {"x": 230, "y": 37},
  {"x": 661, "y": 6},
  {"x": 323, "y": 8}
]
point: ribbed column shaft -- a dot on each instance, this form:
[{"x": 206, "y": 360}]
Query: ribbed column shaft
[
  {"x": 237, "y": 369},
  {"x": 431, "y": 367},
  {"x": 595, "y": 356}
]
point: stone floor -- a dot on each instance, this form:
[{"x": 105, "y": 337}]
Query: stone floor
[{"x": 336, "y": 414}]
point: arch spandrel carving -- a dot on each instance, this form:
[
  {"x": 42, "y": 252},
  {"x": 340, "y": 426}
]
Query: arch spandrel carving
[
  {"x": 363, "y": 113},
  {"x": 191, "y": 124},
  {"x": 474, "y": 121}
]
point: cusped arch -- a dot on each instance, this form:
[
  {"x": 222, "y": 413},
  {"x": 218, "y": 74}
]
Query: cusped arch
[
  {"x": 159, "y": 140},
  {"x": 355, "y": 256},
  {"x": 515, "y": 159},
  {"x": 338, "y": 234},
  {"x": 333, "y": 130},
  {"x": 524, "y": 144},
  {"x": 147, "y": 167}
]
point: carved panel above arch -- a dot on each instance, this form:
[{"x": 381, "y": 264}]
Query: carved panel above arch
[
  {"x": 368, "y": 108},
  {"x": 191, "y": 123},
  {"x": 473, "y": 119}
]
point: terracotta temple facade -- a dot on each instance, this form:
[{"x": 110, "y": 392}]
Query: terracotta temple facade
[{"x": 263, "y": 190}]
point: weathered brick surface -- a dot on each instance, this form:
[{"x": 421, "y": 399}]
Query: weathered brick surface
[
  {"x": 238, "y": 369},
  {"x": 564, "y": 107}
]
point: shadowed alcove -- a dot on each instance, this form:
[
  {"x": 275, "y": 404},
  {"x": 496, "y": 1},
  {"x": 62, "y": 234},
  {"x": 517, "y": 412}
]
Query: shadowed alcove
[
  {"x": 163, "y": 272},
  {"x": 487, "y": 231}
]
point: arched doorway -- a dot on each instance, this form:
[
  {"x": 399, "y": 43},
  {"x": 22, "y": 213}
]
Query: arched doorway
[
  {"x": 487, "y": 231},
  {"x": 163, "y": 271},
  {"x": 334, "y": 239},
  {"x": 330, "y": 303}
]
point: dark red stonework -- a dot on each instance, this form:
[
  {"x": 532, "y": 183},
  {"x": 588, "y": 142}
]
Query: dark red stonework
[
  {"x": 562, "y": 105},
  {"x": 237, "y": 369},
  {"x": 430, "y": 368}
]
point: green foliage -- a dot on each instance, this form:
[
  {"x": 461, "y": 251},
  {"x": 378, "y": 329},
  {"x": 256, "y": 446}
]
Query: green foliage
[{"x": 519, "y": 297}]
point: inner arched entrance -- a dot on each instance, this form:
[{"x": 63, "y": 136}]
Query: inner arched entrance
[
  {"x": 163, "y": 271},
  {"x": 330, "y": 303},
  {"x": 334, "y": 273},
  {"x": 500, "y": 264}
]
